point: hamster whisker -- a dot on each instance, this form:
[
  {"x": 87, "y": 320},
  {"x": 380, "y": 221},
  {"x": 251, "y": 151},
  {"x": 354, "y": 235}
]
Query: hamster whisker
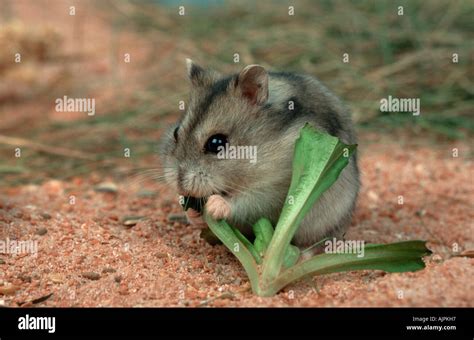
[
  {"x": 141, "y": 178},
  {"x": 136, "y": 171},
  {"x": 246, "y": 189},
  {"x": 161, "y": 169},
  {"x": 239, "y": 189},
  {"x": 147, "y": 174}
]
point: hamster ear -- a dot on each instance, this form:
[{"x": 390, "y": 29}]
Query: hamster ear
[
  {"x": 252, "y": 83},
  {"x": 199, "y": 76}
]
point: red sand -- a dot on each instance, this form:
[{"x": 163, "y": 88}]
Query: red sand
[{"x": 87, "y": 257}]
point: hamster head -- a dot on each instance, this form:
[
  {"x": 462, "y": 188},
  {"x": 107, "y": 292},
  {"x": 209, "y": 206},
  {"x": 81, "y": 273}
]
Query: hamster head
[{"x": 226, "y": 143}]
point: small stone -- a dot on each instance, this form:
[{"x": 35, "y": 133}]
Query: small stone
[
  {"x": 227, "y": 295},
  {"x": 237, "y": 281},
  {"x": 161, "y": 255},
  {"x": 25, "y": 278},
  {"x": 437, "y": 258},
  {"x": 123, "y": 289},
  {"x": 113, "y": 217},
  {"x": 108, "y": 270},
  {"x": 16, "y": 213},
  {"x": 53, "y": 187},
  {"x": 181, "y": 218},
  {"x": 147, "y": 194},
  {"x": 130, "y": 221},
  {"x": 118, "y": 278},
  {"x": 41, "y": 231},
  {"x": 91, "y": 275},
  {"x": 420, "y": 169},
  {"x": 56, "y": 278},
  {"x": 108, "y": 187},
  {"x": 8, "y": 290},
  {"x": 2, "y": 261},
  {"x": 46, "y": 216},
  {"x": 373, "y": 196},
  {"x": 420, "y": 213}
]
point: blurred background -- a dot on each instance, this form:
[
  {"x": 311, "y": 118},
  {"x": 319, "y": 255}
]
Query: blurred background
[{"x": 83, "y": 56}]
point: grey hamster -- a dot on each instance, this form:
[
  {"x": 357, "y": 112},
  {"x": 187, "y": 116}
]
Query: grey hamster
[{"x": 265, "y": 110}]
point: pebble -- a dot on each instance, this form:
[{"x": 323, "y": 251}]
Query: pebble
[
  {"x": 118, "y": 278},
  {"x": 8, "y": 290},
  {"x": 46, "y": 216},
  {"x": 147, "y": 194},
  {"x": 56, "y": 278},
  {"x": 25, "y": 278},
  {"x": 2, "y": 261},
  {"x": 373, "y": 196},
  {"x": 130, "y": 221},
  {"x": 91, "y": 275},
  {"x": 53, "y": 187},
  {"x": 437, "y": 258},
  {"x": 108, "y": 187},
  {"x": 123, "y": 289},
  {"x": 17, "y": 213},
  {"x": 161, "y": 255},
  {"x": 177, "y": 218},
  {"x": 420, "y": 213},
  {"x": 237, "y": 281},
  {"x": 108, "y": 270},
  {"x": 41, "y": 231}
]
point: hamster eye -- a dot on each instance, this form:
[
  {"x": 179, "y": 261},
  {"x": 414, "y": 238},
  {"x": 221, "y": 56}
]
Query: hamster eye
[
  {"x": 214, "y": 142},
  {"x": 175, "y": 134}
]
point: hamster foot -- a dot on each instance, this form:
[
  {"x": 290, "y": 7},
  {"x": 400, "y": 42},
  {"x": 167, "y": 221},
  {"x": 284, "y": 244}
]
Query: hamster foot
[{"x": 217, "y": 207}]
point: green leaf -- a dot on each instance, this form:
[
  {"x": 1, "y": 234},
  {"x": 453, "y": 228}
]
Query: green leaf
[
  {"x": 395, "y": 257},
  {"x": 248, "y": 245},
  {"x": 292, "y": 254},
  {"x": 318, "y": 160},
  {"x": 263, "y": 231}
]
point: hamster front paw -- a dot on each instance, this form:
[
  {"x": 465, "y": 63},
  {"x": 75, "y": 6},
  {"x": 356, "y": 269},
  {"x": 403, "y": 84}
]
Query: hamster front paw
[{"x": 217, "y": 207}]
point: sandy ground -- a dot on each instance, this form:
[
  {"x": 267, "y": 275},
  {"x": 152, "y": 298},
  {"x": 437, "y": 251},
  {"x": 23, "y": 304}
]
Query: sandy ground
[{"x": 86, "y": 256}]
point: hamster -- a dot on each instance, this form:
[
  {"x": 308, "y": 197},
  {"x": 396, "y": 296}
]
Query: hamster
[{"x": 265, "y": 110}]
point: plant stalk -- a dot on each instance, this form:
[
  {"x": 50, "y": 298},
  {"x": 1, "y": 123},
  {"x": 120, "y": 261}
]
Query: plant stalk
[
  {"x": 395, "y": 257},
  {"x": 225, "y": 233}
]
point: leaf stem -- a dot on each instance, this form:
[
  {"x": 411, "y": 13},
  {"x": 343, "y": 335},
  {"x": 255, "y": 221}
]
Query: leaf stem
[
  {"x": 226, "y": 234},
  {"x": 394, "y": 257}
]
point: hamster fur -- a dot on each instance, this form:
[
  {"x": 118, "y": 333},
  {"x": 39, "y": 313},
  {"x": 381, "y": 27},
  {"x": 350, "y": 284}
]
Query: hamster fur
[{"x": 267, "y": 110}]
